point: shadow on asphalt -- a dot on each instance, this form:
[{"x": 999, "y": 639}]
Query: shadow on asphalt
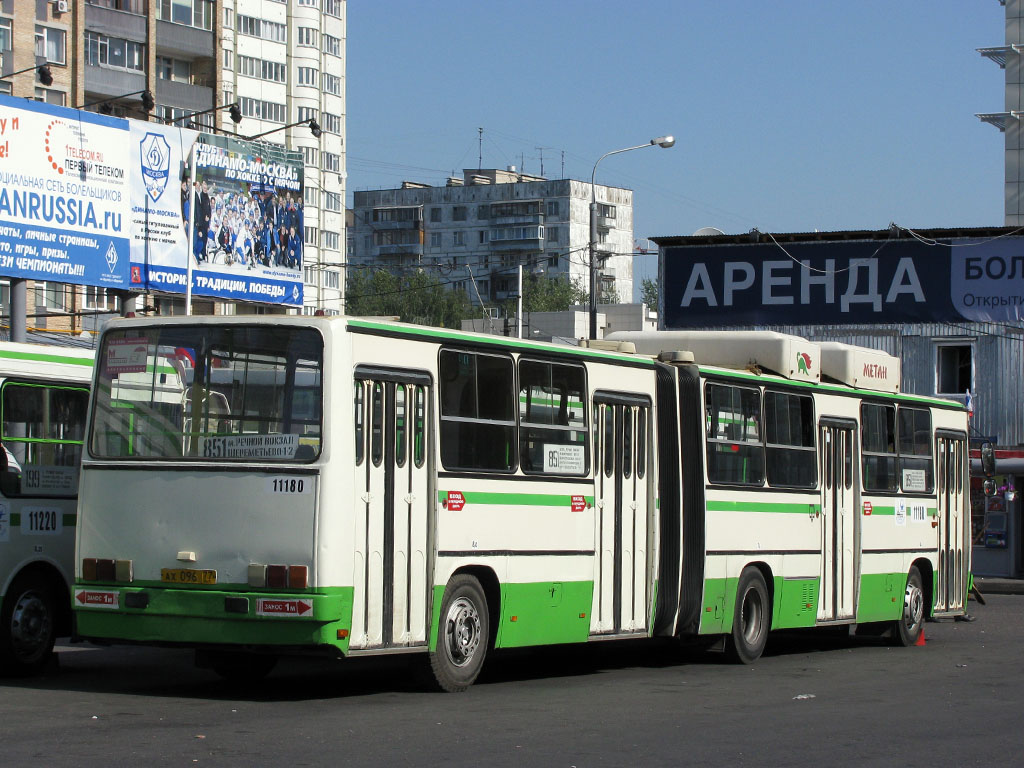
[{"x": 165, "y": 672}]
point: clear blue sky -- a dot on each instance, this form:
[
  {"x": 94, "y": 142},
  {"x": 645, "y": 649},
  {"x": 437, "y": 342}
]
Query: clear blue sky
[{"x": 789, "y": 116}]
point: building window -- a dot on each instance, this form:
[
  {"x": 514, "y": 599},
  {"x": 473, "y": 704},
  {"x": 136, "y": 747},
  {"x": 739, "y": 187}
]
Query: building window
[
  {"x": 50, "y": 295},
  {"x": 553, "y": 261},
  {"x": 229, "y": 59},
  {"x": 330, "y": 84},
  {"x": 193, "y": 13},
  {"x": 330, "y": 241},
  {"x": 229, "y": 18},
  {"x": 333, "y": 8},
  {"x": 311, "y": 196},
  {"x": 553, "y": 209},
  {"x": 262, "y": 110},
  {"x": 307, "y": 113},
  {"x": 51, "y": 44},
  {"x": 606, "y": 211},
  {"x": 331, "y": 123},
  {"x": 459, "y": 238},
  {"x": 458, "y": 213},
  {"x": 101, "y": 50},
  {"x": 435, "y": 239},
  {"x": 552, "y": 234},
  {"x": 331, "y": 279},
  {"x": 176, "y": 70},
  {"x": 435, "y": 215},
  {"x": 309, "y": 155},
  {"x": 954, "y": 369},
  {"x": 332, "y": 201},
  {"x": 307, "y": 76},
  {"x": 310, "y": 234},
  {"x": 99, "y": 298},
  {"x": 482, "y": 237},
  {"x": 332, "y": 45},
  {"x": 5, "y": 35},
  {"x": 5, "y": 87},
  {"x": 50, "y": 96},
  {"x": 310, "y": 3},
  {"x": 331, "y": 161},
  {"x": 307, "y": 36},
  {"x": 271, "y": 71},
  {"x": 267, "y": 30}
]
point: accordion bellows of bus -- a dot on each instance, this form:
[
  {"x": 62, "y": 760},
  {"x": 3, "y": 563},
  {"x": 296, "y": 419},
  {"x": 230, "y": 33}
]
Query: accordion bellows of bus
[{"x": 350, "y": 486}]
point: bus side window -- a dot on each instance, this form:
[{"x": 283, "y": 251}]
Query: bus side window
[{"x": 359, "y": 426}]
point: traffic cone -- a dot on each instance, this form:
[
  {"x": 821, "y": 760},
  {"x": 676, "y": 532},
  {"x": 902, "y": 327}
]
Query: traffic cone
[{"x": 920, "y": 637}]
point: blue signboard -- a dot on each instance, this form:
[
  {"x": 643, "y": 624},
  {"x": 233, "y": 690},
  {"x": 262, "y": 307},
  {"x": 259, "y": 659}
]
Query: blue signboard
[
  {"x": 65, "y": 190},
  {"x": 846, "y": 282}
]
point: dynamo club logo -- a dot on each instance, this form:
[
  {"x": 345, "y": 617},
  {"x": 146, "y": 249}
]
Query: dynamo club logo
[{"x": 155, "y": 155}]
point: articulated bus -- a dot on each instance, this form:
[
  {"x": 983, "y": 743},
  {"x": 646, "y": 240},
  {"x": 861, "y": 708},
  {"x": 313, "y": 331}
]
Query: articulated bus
[
  {"x": 44, "y": 397},
  {"x": 350, "y": 487}
]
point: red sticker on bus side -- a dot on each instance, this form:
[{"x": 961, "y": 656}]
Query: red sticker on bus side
[
  {"x": 867, "y": 507},
  {"x": 579, "y": 503},
  {"x": 456, "y": 501}
]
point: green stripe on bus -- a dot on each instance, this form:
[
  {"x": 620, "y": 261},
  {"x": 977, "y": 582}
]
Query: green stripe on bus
[
  {"x": 44, "y": 358},
  {"x": 500, "y": 341},
  {"x": 953, "y": 404},
  {"x": 515, "y": 499},
  {"x": 880, "y": 510},
  {"x": 763, "y": 506}
]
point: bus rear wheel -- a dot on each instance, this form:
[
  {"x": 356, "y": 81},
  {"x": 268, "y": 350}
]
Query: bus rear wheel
[
  {"x": 908, "y": 627},
  {"x": 463, "y": 635},
  {"x": 752, "y": 618},
  {"x": 27, "y": 626}
]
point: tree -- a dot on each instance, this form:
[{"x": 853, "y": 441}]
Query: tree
[
  {"x": 552, "y": 294},
  {"x": 649, "y": 292},
  {"x": 413, "y": 297}
]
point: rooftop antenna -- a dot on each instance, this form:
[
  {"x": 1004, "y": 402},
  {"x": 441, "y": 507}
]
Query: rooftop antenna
[
  {"x": 480, "y": 149},
  {"x": 541, "y": 149},
  {"x": 563, "y": 163}
]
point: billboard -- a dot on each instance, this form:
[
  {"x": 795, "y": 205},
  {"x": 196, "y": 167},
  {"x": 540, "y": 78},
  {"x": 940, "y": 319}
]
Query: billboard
[
  {"x": 243, "y": 203},
  {"x": 845, "y": 282},
  {"x": 65, "y": 189}
]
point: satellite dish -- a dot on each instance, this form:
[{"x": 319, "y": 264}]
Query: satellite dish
[{"x": 708, "y": 232}]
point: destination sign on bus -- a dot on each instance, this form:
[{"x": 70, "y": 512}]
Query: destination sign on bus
[
  {"x": 127, "y": 355},
  {"x": 249, "y": 447}
]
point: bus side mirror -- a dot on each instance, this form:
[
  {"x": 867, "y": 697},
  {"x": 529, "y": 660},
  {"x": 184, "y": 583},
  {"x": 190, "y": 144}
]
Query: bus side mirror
[
  {"x": 988, "y": 459},
  {"x": 989, "y": 486}
]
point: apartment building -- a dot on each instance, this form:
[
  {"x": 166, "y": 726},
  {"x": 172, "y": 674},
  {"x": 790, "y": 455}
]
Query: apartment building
[
  {"x": 281, "y": 61},
  {"x": 478, "y": 229}
]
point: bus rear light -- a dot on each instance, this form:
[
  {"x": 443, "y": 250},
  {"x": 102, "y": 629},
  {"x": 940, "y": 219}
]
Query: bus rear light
[
  {"x": 277, "y": 576},
  {"x": 88, "y": 569},
  {"x": 298, "y": 576},
  {"x": 257, "y": 575},
  {"x": 124, "y": 571}
]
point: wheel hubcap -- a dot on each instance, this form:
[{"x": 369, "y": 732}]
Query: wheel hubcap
[
  {"x": 462, "y": 631},
  {"x": 913, "y": 606},
  {"x": 751, "y": 616},
  {"x": 30, "y": 625}
]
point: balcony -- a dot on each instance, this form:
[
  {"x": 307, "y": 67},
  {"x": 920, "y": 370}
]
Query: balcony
[
  {"x": 606, "y": 222},
  {"x": 526, "y": 218},
  {"x": 182, "y": 41},
  {"x": 127, "y": 24},
  {"x": 193, "y": 98},
  {"x": 414, "y": 249}
]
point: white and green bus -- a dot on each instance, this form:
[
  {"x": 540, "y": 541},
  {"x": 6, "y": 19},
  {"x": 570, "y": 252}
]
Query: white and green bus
[
  {"x": 351, "y": 487},
  {"x": 44, "y": 396}
]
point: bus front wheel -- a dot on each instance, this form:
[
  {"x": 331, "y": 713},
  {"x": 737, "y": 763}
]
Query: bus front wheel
[
  {"x": 752, "y": 619},
  {"x": 463, "y": 635},
  {"x": 908, "y": 627},
  {"x": 27, "y": 626}
]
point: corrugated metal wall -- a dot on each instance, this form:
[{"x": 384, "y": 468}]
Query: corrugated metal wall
[{"x": 998, "y": 361}]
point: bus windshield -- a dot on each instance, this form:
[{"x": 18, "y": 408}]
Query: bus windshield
[{"x": 206, "y": 392}]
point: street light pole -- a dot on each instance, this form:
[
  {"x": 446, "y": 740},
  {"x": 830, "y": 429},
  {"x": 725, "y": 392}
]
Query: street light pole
[{"x": 661, "y": 141}]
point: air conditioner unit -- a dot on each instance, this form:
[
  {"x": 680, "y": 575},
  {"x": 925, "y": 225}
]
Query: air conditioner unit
[{"x": 62, "y": 6}]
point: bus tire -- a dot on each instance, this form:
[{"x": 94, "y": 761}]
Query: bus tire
[
  {"x": 239, "y": 667},
  {"x": 27, "y": 626},
  {"x": 908, "y": 627},
  {"x": 752, "y": 618},
  {"x": 462, "y": 636}
]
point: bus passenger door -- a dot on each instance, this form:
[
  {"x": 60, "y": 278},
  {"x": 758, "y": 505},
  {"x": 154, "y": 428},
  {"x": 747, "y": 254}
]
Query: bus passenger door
[
  {"x": 951, "y": 584},
  {"x": 840, "y": 541},
  {"x": 622, "y": 516},
  {"x": 392, "y": 516}
]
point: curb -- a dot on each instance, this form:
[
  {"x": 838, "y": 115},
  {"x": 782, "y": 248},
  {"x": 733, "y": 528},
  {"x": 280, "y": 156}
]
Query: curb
[{"x": 999, "y": 586}]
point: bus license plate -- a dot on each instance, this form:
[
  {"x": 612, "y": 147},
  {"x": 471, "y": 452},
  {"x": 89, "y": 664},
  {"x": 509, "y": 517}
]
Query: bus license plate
[{"x": 187, "y": 576}]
